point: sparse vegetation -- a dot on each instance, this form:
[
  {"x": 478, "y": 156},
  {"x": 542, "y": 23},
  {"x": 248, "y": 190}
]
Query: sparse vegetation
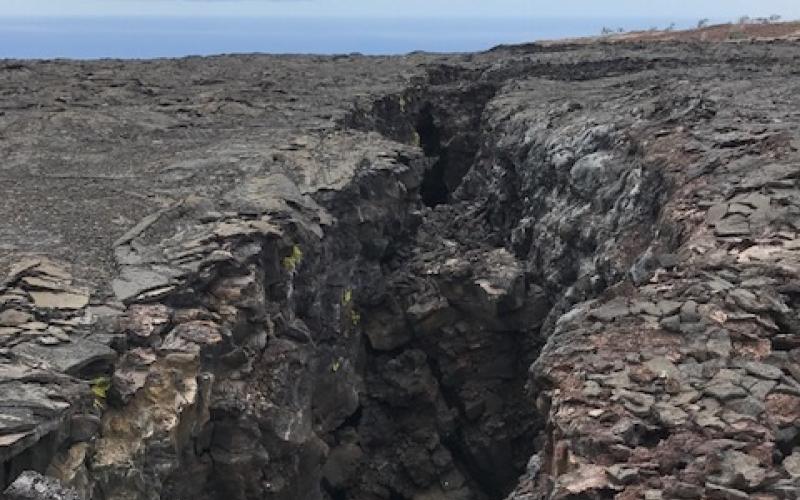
[
  {"x": 737, "y": 35},
  {"x": 291, "y": 262},
  {"x": 100, "y": 387},
  {"x": 703, "y": 23},
  {"x": 355, "y": 317}
]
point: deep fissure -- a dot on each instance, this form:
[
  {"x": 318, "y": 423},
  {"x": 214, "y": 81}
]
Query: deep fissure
[
  {"x": 460, "y": 151},
  {"x": 389, "y": 359},
  {"x": 434, "y": 190},
  {"x": 488, "y": 465}
]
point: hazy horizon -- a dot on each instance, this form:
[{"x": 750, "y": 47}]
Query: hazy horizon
[
  {"x": 87, "y": 29},
  {"x": 146, "y": 37}
]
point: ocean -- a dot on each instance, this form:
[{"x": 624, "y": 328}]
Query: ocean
[{"x": 148, "y": 37}]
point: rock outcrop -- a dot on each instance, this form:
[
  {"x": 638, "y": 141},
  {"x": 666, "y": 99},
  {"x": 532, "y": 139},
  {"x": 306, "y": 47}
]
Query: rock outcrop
[{"x": 545, "y": 271}]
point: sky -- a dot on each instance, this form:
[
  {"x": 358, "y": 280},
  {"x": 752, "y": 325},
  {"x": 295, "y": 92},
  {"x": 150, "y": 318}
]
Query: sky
[
  {"x": 89, "y": 29},
  {"x": 402, "y": 8}
]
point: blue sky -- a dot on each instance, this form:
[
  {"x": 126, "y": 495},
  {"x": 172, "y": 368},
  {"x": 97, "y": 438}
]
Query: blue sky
[
  {"x": 87, "y": 29},
  {"x": 402, "y": 8}
]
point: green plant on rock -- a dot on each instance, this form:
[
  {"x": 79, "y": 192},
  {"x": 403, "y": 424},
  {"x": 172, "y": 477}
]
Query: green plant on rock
[
  {"x": 347, "y": 297},
  {"x": 291, "y": 261},
  {"x": 100, "y": 387},
  {"x": 355, "y": 317}
]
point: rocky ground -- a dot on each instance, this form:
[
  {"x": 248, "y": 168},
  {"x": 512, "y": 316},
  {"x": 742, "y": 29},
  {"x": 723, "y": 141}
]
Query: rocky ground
[{"x": 546, "y": 271}]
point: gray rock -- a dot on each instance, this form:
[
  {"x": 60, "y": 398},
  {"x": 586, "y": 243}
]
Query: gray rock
[
  {"x": 621, "y": 474},
  {"x": 610, "y": 311},
  {"x": 669, "y": 415},
  {"x": 734, "y": 225},
  {"x": 33, "y": 486},
  {"x": 13, "y": 420},
  {"x": 134, "y": 281},
  {"x": 668, "y": 307},
  {"x": 746, "y": 406},
  {"x": 14, "y": 317},
  {"x": 341, "y": 465},
  {"x": 761, "y": 370},
  {"x": 725, "y": 391},
  {"x": 74, "y": 299},
  {"x": 638, "y": 403},
  {"x": 653, "y": 495},
  {"x": 716, "y": 491},
  {"x": 719, "y": 343},
  {"x": 792, "y": 465},
  {"x": 689, "y": 312},
  {"x": 386, "y": 329},
  {"x": 785, "y": 436},
  {"x": 668, "y": 260},
  {"x": 741, "y": 471},
  {"x": 671, "y": 323},
  {"x": 645, "y": 307},
  {"x": 747, "y": 300},
  {"x": 67, "y": 358},
  {"x": 684, "y": 490},
  {"x": 663, "y": 368},
  {"x": 592, "y": 171},
  {"x": 84, "y": 427}
]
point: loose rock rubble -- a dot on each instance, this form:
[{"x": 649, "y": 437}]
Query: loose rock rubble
[{"x": 562, "y": 271}]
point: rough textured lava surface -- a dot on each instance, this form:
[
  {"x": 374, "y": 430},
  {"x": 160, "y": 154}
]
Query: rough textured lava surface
[{"x": 550, "y": 271}]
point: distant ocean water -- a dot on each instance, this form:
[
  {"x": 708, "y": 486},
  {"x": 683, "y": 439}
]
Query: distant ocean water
[{"x": 143, "y": 37}]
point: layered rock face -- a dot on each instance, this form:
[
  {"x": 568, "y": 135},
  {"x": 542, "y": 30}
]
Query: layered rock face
[{"x": 564, "y": 271}]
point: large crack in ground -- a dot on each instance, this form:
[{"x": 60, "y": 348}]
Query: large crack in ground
[
  {"x": 552, "y": 265},
  {"x": 515, "y": 213},
  {"x": 388, "y": 359},
  {"x": 479, "y": 311},
  {"x": 461, "y": 390}
]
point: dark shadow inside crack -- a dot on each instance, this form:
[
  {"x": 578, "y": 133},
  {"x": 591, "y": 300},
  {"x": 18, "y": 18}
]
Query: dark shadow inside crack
[{"x": 434, "y": 190}]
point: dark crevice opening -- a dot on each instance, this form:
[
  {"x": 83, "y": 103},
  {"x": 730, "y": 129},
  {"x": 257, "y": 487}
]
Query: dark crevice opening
[
  {"x": 333, "y": 493},
  {"x": 434, "y": 190},
  {"x": 354, "y": 419},
  {"x": 486, "y": 483}
]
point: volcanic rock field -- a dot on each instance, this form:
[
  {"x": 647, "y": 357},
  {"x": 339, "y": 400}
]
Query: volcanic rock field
[{"x": 546, "y": 271}]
